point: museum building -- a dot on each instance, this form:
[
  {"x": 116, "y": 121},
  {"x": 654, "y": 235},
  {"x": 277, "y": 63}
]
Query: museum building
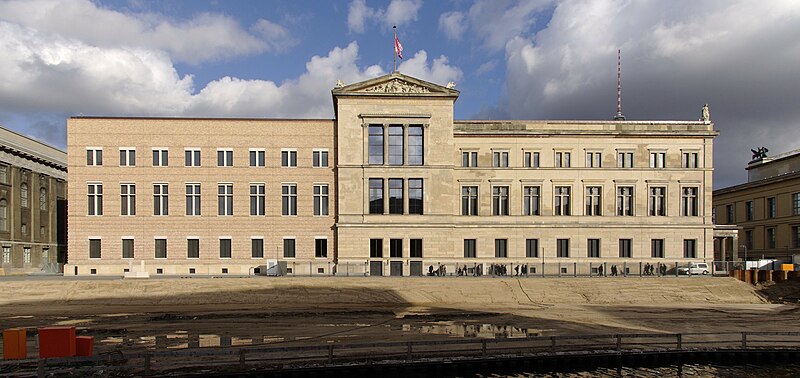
[{"x": 393, "y": 185}]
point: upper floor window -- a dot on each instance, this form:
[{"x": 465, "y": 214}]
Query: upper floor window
[
  {"x": 289, "y": 199},
  {"x": 258, "y": 157},
  {"x": 3, "y": 215},
  {"x": 224, "y": 158},
  {"x": 395, "y": 196},
  {"x": 500, "y": 159},
  {"x": 594, "y": 159},
  {"x": 530, "y": 159},
  {"x": 658, "y": 202},
  {"x": 160, "y": 157},
  {"x": 658, "y": 159},
  {"x": 500, "y": 200},
  {"x": 192, "y": 158},
  {"x": 225, "y": 199},
  {"x": 469, "y": 158},
  {"x": 796, "y": 203},
  {"x": 563, "y": 159},
  {"x": 94, "y": 156},
  {"x": 729, "y": 211},
  {"x": 562, "y": 200},
  {"x": 3, "y": 174},
  {"x": 415, "y": 196},
  {"x": 689, "y": 248},
  {"x": 160, "y": 199},
  {"x": 625, "y": 201},
  {"x": 772, "y": 207},
  {"x": 319, "y": 158},
  {"x": 469, "y": 200},
  {"x": 593, "y": 200},
  {"x": 625, "y": 159},
  {"x": 24, "y": 194},
  {"x": 530, "y": 203},
  {"x": 689, "y": 160},
  {"x": 192, "y": 199},
  {"x": 127, "y": 194},
  {"x": 127, "y": 157},
  {"x": 415, "y": 145},
  {"x": 748, "y": 210},
  {"x": 257, "y": 199},
  {"x": 375, "y": 144},
  {"x": 770, "y": 235},
  {"x": 376, "y": 196},
  {"x": 288, "y": 158},
  {"x": 320, "y": 199},
  {"x": 95, "y": 196},
  {"x": 689, "y": 202},
  {"x": 396, "y": 144}
]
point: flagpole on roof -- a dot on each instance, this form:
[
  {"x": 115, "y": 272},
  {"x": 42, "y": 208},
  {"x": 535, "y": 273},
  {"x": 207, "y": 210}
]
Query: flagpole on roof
[{"x": 394, "y": 47}]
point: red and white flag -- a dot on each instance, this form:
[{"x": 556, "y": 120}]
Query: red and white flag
[{"x": 398, "y": 48}]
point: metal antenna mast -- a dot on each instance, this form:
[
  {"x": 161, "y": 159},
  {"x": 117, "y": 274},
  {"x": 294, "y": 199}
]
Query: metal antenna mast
[{"x": 619, "y": 116}]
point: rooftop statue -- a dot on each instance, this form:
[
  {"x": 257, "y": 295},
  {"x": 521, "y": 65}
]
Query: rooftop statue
[
  {"x": 760, "y": 153},
  {"x": 705, "y": 114}
]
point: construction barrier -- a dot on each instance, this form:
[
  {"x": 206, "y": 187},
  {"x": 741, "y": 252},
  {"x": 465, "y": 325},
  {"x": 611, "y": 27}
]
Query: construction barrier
[
  {"x": 84, "y": 346},
  {"x": 15, "y": 346},
  {"x": 56, "y": 342}
]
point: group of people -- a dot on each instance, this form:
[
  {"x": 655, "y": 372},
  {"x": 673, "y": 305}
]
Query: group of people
[
  {"x": 649, "y": 269},
  {"x": 441, "y": 271}
]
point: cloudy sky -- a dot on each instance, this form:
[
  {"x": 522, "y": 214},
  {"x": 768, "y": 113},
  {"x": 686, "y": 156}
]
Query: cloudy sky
[{"x": 535, "y": 59}]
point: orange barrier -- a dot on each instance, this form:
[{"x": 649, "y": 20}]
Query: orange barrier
[
  {"x": 787, "y": 266},
  {"x": 56, "y": 342},
  {"x": 84, "y": 346},
  {"x": 15, "y": 346}
]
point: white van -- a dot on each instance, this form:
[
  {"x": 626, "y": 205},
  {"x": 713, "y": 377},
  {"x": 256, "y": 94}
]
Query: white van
[{"x": 695, "y": 268}]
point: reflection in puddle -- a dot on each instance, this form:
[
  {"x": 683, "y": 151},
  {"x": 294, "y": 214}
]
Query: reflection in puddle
[{"x": 486, "y": 331}]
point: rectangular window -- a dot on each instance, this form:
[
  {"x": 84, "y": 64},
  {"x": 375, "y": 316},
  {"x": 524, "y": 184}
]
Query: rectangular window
[
  {"x": 375, "y": 196},
  {"x": 192, "y": 199},
  {"x": 26, "y": 255},
  {"x": 375, "y": 144},
  {"x": 256, "y": 248},
  {"x": 258, "y": 158},
  {"x": 319, "y": 158},
  {"x": 415, "y": 196},
  {"x": 469, "y": 248},
  {"x": 500, "y": 159},
  {"x": 161, "y": 248},
  {"x": 94, "y": 156},
  {"x": 772, "y": 209},
  {"x": 562, "y": 247},
  {"x": 376, "y": 248},
  {"x": 127, "y": 157},
  {"x": 415, "y": 248},
  {"x": 501, "y": 248},
  {"x": 396, "y": 248},
  {"x": 531, "y": 248},
  {"x": 625, "y": 159},
  {"x": 469, "y": 159},
  {"x": 563, "y": 159},
  {"x": 225, "y": 199},
  {"x": 94, "y": 248},
  {"x": 530, "y": 200},
  {"x": 95, "y": 197},
  {"x": 689, "y": 248},
  {"x": 193, "y": 248},
  {"x": 658, "y": 159},
  {"x": 395, "y": 196},
  {"x": 224, "y": 248},
  {"x": 258, "y": 199},
  {"x": 729, "y": 212},
  {"x": 289, "y": 199},
  {"x": 625, "y": 248},
  {"x": 500, "y": 200},
  {"x": 320, "y": 247},
  {"x": 127, "y": 199},
  {"x": 594, "y": 160},
  {"x": 593, "y": 248},
  {"x": 689, "y": 160},
  {"x": 469, "y": 200},
  {"x": 224, "y": 158},
  {"x": 191, "y": 158},
  {"x": 288, "y": 158},
  {"x": 6, "y": 255},
  {"x": 796, "y": 203},
  {"x": 657, "y": 248},
  {"x": 748, "y": 239},
  {"x": 3, "y": 174},
  {"x": 160, "y": 199},
  {"x": 748, "y": 210},
  {"x": 127, "y": 248},
  {"x": 689, "y": 206},
  {"x": 415, "y": 145},
  {"x": 770, "y": 234},
  {"x": 593, "y": 200},
  {"x": 625, "y": 201},
  {"x": 160, "y": 157},
  {"x": 657, "y": 203},
  {"x": 321, "y": 199},
  {"x": 395, "y": 144},
  {"x": 562, "y": 200},
  {"x": 530, "y": 159},
  {"x": 795, "y": 236}
]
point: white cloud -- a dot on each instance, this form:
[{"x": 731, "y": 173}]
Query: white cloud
[
  {"x": 399, "y": 12},
  {"x": 276, "y": 37},
  {"x": 439, "y": 71},
  {"x": 452, "y": 24},
  {"x": 674, "y": 59},
  {"x": 205, "y": 37}
]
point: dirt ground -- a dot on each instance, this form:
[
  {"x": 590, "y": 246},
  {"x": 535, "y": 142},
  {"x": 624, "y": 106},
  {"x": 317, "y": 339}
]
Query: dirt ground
[{"x": 178, "y": 312}]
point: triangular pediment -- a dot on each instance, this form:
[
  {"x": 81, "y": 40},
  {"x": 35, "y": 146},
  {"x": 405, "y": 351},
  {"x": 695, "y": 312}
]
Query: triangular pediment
[{"x": 394, "y": 84}]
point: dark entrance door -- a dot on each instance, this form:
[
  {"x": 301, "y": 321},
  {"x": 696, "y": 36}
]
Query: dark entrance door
[
  {"x": 376, "y": 268},
  {"x": 396, "y": 268},
  {"x": 416, "y": 268}
]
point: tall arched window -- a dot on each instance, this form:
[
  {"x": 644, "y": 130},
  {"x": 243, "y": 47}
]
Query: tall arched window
[
  {"x": 3, "y": 215},
  {"x": 43, "y": 199},
  {"x": 23, "y": 194}
]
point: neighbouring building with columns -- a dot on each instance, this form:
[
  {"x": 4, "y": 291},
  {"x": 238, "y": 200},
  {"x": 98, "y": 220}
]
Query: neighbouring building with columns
[{"x": 393, "y": 185}]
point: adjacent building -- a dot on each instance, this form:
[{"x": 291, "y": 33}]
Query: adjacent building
[
  {"x": 393, "y": 185},
  {"x": 33, "y": 205},
  {"x": 765, "y": 209}
]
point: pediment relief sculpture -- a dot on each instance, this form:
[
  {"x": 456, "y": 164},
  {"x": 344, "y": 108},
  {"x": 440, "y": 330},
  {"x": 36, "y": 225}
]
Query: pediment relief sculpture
[{"x": 397, "y": 86}]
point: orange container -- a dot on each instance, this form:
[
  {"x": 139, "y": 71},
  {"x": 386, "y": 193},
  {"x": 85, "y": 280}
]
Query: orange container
[
  {"x": 84, "y": 346},
  {"x": 787, "y": 266},
  {"x": 15, "y": 345},
  {"x": 56, "y": 342}
]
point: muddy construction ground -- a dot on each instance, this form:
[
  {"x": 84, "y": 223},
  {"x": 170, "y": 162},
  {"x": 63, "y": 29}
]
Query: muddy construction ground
[{"x": 135, "y": 315}]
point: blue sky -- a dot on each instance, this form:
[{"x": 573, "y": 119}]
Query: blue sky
[{"x": 535, "y": 59}]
